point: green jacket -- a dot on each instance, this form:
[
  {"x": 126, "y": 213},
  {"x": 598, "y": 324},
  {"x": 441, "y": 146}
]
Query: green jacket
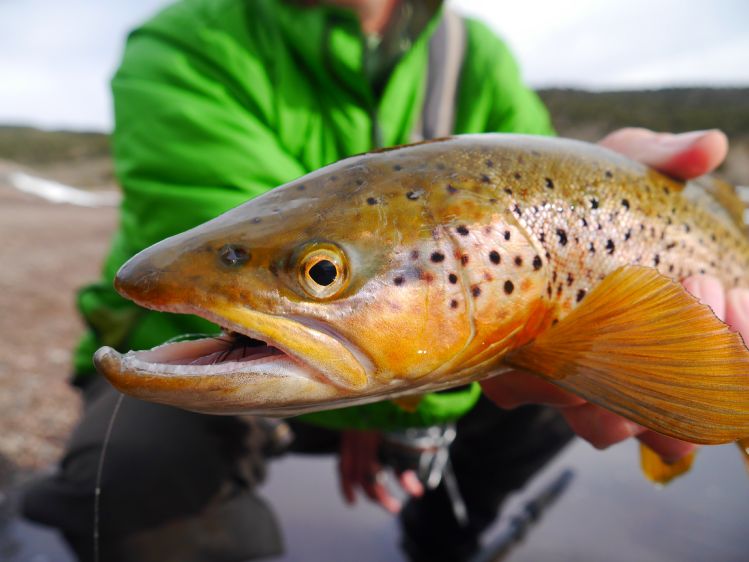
[{"x": 218, "y": 101}]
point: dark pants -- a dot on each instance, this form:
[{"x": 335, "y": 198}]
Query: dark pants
[{"x": 175, "y": 474}]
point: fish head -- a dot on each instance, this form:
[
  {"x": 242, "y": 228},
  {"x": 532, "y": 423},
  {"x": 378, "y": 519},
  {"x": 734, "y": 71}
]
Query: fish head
[{"x": 331, "y": 290}]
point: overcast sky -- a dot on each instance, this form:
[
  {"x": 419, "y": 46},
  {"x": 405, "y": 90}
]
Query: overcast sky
[{"x": 56, "y": 57}]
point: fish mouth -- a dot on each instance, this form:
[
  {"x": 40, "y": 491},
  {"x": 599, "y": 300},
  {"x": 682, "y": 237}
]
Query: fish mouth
[{"x": 259, "y": 364}]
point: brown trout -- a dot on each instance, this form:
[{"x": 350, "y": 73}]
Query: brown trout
[{"x": 431, "y": 265}]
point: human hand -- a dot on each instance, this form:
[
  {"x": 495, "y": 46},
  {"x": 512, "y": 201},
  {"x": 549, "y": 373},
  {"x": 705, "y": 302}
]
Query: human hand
[
  {"x": 360, "y": 467},
  {"x": 682, "y": 156}
]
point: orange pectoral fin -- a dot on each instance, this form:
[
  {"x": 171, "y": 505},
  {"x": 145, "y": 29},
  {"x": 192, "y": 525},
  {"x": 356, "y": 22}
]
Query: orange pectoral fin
[
  {"x": 660, "y": 472},
  {"x": 641, "y": 346}
]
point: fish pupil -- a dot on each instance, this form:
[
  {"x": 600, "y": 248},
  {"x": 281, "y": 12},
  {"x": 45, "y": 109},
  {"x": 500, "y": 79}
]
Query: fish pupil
[{"x": 323, "y": 272}]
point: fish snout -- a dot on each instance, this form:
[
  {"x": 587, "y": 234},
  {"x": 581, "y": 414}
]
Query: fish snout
[{"x": 146, "y": 281}]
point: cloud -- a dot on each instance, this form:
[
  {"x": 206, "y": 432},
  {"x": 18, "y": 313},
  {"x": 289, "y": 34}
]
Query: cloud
[{"x": 57, "y": 57}]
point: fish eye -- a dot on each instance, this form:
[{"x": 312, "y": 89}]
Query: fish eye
[{"x": 322, "y": 271}]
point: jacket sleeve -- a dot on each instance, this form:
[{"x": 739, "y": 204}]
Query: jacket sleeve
[{"x": 492, "y": 96}]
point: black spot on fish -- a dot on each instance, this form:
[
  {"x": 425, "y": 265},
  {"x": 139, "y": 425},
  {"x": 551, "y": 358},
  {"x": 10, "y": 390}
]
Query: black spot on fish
[
  {"x": 610, "y": 246},
  {"x": 562, "y": 234},
  {"x": 437, "y": 257},
  {"x": 412, "y": 195},
  {"x": 560, "y": 288},
  {"x": 549, "y": 183},
  {"x": 671, "y": 268},
  {"x": 628, "y": 234},
  {"x": 609, "y": 174},
  {"x": 518, "y": 261},
  {"x": 687, "y": 228},
  {"x": 548, "y": 290},
  {"x": 507, "y": 190},
  {"x": 507, "y": 234},
  {"x": 584, "y": 222},
  {"x": 301, "y": 187},
  {"x": 517, "y": 175},
  {"x": 453, "y": 304},
  {"x": 656, "y": 260},
  {"x": 397, "y": 167},
  {"x": 625, "y": 203},
  {"x": 398, "y": 280},
  {"x": 494, "y": 257},
  {"x": 570, "y": 279},
  {"x": 452, "y": 278},
  {"x": 371, "y": 201},
  {"x": 580, "y": 295},
  {"x": 542, "y": 237},
  {"x": 555, "y": 322},
  {"x": 257, "y": 220},
  {"x": 475, "y": 290},
  {"x": 464, "y": 259},
  {"x": 666, "y": 190},
  {"x": 485, "y": 178},
  {"x": 414, "y": 254},
  {"x": 516, "y": 209},
  {"x": 509, "y": 287},
  {"x": 462, "y": 230},
  {"x": 592, "y": 248},
  {"x": 554, "y": 277},
  {"x": 537, "y": 263},
  {"x": 492, "y": 200},
  {"x": 490, "y": 163},
  {"x": 451, "y": 188},
  {"x": 594, "y": 203}
]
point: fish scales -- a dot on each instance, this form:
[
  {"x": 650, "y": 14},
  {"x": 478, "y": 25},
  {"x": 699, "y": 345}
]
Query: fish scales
[{"x": 428, "y": 266}]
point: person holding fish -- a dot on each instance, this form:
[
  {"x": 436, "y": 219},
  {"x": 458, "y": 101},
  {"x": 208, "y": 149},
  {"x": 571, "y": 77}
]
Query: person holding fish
[{"x": 217, "y": 102}]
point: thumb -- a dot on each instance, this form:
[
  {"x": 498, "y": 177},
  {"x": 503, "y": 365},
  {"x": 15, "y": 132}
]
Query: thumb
[{"x": 682, "y": 156}]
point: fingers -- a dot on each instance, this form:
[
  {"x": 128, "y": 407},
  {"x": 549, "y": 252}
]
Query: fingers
[
  {"x": 599, "y": 427},
  {"x": 737, "y": 312},
  {"x": 375, "y": 488},
  {"x": 683, "y": 156},
  {"x": 359, "y": 468},
  {"x": 709, "y": 290},
  {"x": 515, "y": 388},
  {"x": 411, "y": 483}
]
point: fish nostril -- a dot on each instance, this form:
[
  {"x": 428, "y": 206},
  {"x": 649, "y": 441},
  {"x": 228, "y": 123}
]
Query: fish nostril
[{"x": 232, "y": 255}]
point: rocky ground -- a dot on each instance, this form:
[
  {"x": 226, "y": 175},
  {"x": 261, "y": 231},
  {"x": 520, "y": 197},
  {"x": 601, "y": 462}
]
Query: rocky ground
[{"x": 48, "y": 251}]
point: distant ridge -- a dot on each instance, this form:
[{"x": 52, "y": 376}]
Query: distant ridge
[
  {"x": 673, "y": 109},
  {"x": 576, "y": 114}
]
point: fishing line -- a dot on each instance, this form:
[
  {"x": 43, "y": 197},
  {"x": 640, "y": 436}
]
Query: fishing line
[{"x": 99, "y": 471}]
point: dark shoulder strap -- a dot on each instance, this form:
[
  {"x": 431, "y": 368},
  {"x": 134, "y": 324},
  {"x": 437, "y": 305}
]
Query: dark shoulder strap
[{"x": 446, "y": 51}]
